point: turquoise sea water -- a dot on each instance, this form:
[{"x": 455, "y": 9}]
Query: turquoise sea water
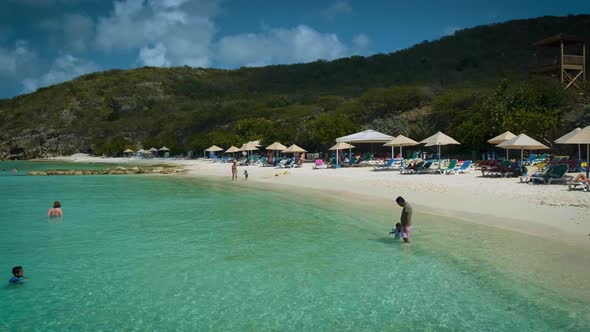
[{"x": 162, "y": 253}]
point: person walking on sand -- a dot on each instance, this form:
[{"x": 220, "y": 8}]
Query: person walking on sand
[
  {"x": 234, "y": 171},
  {"x": 406, "y": 218}
]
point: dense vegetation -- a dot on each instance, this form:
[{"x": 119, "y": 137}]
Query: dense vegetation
[{"x": 472, "y": 85}]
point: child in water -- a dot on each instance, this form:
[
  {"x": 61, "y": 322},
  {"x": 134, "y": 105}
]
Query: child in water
[
  {"x": 18, "y": 273},
  {"x": 397, "y": 231},
  {"x": 246, "y": 174}
]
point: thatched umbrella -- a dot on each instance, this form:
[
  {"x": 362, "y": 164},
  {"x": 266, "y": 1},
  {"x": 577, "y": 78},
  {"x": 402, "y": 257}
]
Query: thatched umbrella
[
  {"x": 213, "y": 148},
  {"x": 581, "y": 137},
  {"x": 439, "y": 139},
  {"x": 341, "y": 146},
  {"x": 128, "y": 152},
  {"x": 294, "y": 149},
  {"x": 249, "y": 147},
  {"x": 522, "y": 142},
  {"x": 501, "y": 139},
  {"x": 232, "y": 150},
  {"x": 568, "y": 136},
  {"x": 164, "y": 149},
  {"x": 400, "y": 141},
  {"x": 276, "y": 146}
]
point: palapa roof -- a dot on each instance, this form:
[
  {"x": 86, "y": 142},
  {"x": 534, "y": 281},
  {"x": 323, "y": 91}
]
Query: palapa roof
[
  {"x": 439, "y": 139},
  {"x": 276, "y": 146},
  {"x": 250, "y": 146},
  {"x": 580, "y": 137},
  {"x": 342, "y": 146},
  {"x": 293, "y": 148},
  {"x": 232, "y": 149},
  {"x": 213, "y": 148},
  {"x": 557, "y": 39},
  {"x": 366, "y": 136},
  {"x": 501, "y": 138},
  {"x": 401, "y": 140},
  {"x": 567, "y": 136},
  {"x": 522, "y": 142}
]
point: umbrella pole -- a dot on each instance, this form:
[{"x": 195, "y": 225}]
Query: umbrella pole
[
  {"x": 392, "y": 155},
  {"x": 401, "y": 152},
  {"x": 579, "y": 158},
  {"x": 349, "y": 153},
  {"x": 439, "y": 158},
  {"x": 587, "y": 159},
  {"x": 336, "y": 158},
  {"x": 521, "y": 154}
]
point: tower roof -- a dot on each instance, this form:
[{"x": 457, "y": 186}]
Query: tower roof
[{"x": 567, "y": 39}]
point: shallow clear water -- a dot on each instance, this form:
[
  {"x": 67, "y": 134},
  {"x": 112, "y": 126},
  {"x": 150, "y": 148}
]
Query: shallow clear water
[{"x": 154, "y": 253}]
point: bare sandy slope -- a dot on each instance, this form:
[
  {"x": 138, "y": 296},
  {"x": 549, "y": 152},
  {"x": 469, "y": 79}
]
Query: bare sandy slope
[{"x": 544, "y": 210}]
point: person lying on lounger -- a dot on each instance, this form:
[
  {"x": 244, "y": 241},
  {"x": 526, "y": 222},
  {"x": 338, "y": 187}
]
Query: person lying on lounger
[{"x": 581, "y": 178}]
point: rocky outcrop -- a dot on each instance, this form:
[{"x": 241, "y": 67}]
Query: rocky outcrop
[
  {"x": 41, "y": 143},
  {"x": 119, "y": 170}
]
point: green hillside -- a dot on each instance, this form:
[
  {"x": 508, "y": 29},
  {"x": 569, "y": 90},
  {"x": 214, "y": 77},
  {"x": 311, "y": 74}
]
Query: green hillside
[{"x": 470, "y": 85}]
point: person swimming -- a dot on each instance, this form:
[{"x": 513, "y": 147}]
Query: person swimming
[
  {"x": 55, "y": 211},
  {"x": 18, "y": 278}
]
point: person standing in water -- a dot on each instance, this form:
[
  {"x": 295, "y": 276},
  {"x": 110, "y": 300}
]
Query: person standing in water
[
  {"x": 55, "y": 211},
  {"x": 406, "y": 218},
  {"x": 234, "y": 171}
]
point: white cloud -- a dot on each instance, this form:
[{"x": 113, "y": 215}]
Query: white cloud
[
  {"x": 299, "y": 44},
  {"x": 154, "y": 56},
  {"x": 181, "y": 30},
  {"x": 64, "y": 68},
  {"x": 337, "y": 9}
]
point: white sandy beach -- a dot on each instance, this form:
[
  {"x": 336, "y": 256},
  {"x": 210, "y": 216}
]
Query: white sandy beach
[{"x": 543, "y": 210}]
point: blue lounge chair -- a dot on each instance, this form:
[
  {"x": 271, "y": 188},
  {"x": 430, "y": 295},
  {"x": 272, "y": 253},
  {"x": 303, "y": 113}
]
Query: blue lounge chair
[
  {"x": 387, "y": 166},
  {"x": 465, "y": 168}
]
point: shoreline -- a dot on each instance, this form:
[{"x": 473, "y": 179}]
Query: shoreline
[{"x": 546, "y": 211}]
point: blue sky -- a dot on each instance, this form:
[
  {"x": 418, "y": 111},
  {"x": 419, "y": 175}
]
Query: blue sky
[{"x": 43, "y": 42}]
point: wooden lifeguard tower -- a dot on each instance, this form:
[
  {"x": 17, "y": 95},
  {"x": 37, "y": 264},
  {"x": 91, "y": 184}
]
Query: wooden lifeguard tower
[{"x": 561, "y": 56}]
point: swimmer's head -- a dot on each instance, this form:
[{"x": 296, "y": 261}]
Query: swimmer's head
[
  {"x": 398, "y": 226},
  {"x": 56, "y": 204},
  {"x": 18, "y": 271}
]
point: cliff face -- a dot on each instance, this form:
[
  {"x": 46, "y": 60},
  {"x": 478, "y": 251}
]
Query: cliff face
[
  {"x": 42, "y": 143},
  {"x": 191, "y": 108}
]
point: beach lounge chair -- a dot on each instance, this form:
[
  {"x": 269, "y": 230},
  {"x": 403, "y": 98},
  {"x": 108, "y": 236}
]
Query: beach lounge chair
[
  {"x": 530, "y": 159},
  {"x": 411, "y": 170},
  {"x": 542, "y": 158},
  {"x": 425, "y": 168},
  {"x": 527, "y": 178},
  {"x": 389, "y": 165},
  {"x": 356, "y": 162},
  {"x": 574, "y": 185},
  {"x": 554, "y": 174},
  {"x": 501, "y": 169},
  {"x": 319, "y": 164},
  {"x": 450, "y": 169},
  {"x": 464, "y": 168}
]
